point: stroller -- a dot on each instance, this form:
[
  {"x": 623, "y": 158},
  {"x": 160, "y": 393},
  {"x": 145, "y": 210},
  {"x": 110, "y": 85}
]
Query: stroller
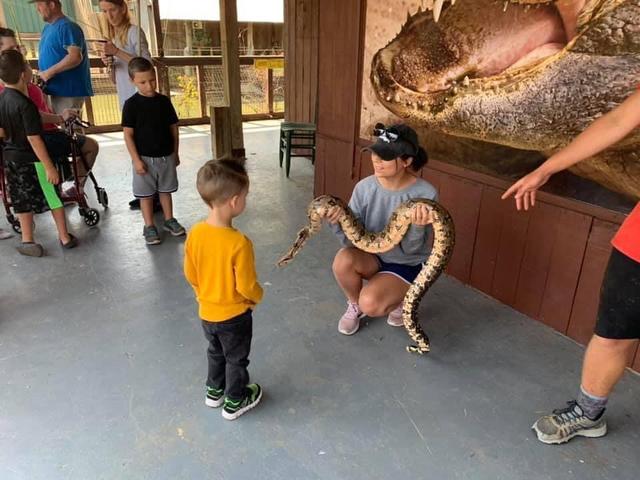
[{"x": 68, "y": 169}]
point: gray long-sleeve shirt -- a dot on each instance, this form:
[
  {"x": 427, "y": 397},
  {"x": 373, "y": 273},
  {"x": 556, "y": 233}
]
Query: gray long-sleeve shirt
[{"x": 373, "y": 205}]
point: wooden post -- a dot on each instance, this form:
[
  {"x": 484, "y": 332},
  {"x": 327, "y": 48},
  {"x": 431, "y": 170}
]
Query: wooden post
[
  {"x": 202, "y": 91},
  {"x": 270, "y": 91},
  {"x": 157, "y": 29},
  {"x": 161, "y": 69},
  {"x": 221, "y": 133},
  {"x": 231, "y": 73}
]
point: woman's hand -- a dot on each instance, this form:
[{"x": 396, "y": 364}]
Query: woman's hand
[
  {"x": 421, "y": 215},
  {"x": 110, "y": 49},
  {"x": 524, "y": 190},
  {"x": 332, "y": 215}
]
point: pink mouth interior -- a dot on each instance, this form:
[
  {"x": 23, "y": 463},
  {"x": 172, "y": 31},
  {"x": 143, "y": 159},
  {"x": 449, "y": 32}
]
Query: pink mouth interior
[{"x": 518, "y": 37}]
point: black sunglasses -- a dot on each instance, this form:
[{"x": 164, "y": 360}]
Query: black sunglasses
[{"x": 387, "y": 135}]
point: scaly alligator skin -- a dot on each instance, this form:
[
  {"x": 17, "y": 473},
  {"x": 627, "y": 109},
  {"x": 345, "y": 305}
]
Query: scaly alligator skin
[{"x": 440, "y": 74}]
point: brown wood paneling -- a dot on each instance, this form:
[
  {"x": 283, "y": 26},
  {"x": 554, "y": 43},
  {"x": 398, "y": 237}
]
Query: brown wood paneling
[
  {"x": 487, "y": 241},
  {"x": 499, "y": 247},
  {"x": 462, "y": 199},
  {"x": 336, "y": 165},
  {"x": 301, "y": 60},
  {"x": 536, "y": 259},
  {"x": 339, "y": 60},
  {"x": 513, "y": 236},
  {"x": 585, "y": 304},
  {"x": 571, "y": 235}
]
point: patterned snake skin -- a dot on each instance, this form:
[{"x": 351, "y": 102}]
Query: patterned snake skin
[{"x": 443, "y": 242}]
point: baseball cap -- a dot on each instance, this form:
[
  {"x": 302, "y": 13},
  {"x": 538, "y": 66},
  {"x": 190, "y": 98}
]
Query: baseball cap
[
  {"x": 394, "y": 141},
  {"x": 36, "y": 1}
]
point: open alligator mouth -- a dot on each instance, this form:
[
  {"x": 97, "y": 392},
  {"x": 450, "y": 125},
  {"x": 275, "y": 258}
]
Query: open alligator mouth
[{"x": 473, "y": 40}]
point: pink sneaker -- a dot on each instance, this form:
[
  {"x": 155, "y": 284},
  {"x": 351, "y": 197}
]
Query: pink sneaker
[
  {"x": 350, "y": 322},
  {"x": 395, "y": 317}
]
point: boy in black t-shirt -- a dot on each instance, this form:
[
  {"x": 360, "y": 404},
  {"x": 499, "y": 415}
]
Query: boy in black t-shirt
[
  {"x": 150, "y": 128},
  {"x": 31, "y": 174}
]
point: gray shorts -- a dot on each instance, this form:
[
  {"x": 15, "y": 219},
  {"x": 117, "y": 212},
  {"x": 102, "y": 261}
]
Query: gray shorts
[
  {"x": 161, "y": 177},
  {"x": 59, "y": 104}
]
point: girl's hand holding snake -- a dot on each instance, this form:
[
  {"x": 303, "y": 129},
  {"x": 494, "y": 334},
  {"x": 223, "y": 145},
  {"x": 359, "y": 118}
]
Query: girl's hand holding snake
[
  {"x": 332, "y": 215},
  {"x": 421, "y": 215}
]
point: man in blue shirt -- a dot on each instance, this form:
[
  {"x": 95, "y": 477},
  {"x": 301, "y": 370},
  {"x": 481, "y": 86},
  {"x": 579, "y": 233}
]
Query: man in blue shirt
[{"x": 63, "y": 60}]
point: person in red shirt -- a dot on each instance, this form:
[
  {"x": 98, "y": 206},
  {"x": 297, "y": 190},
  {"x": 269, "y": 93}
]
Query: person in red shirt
[
  {"x": 618, "y": 324},
  {"x": 55, "y": 140}
]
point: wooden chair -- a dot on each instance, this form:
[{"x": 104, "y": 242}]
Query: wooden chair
[{"x": 297, "y": 140}]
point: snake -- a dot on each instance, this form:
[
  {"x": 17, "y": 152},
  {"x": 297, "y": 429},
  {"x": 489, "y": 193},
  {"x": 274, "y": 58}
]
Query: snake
[{"x": 380, "y": 242}]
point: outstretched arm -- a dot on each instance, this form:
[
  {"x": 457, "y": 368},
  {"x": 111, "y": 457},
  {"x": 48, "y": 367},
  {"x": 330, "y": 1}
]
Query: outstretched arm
[{"x": 604, "y": 132}]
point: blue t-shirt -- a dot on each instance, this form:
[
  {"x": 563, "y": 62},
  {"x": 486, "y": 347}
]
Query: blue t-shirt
[{"x": 55, "y": 39}]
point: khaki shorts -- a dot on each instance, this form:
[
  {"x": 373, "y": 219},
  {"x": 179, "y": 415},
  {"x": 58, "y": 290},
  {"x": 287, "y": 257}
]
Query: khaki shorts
[{"x": 161, "y": 177}]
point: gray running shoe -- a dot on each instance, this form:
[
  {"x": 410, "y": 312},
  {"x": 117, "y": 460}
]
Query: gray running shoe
[
  {"x": 151, "y": 235},
  {"x": 173, "y": 227},
  {"x": 569, "y": 422}
]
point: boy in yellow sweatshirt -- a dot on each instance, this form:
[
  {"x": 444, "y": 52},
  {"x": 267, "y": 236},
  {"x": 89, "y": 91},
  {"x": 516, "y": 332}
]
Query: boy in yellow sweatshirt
[{"x": 220, "y": 266}]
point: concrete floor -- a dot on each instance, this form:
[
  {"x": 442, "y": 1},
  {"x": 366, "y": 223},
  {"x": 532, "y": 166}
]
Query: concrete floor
[{"x": 102, "y": 362}]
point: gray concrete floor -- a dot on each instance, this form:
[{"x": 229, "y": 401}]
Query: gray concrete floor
[{"x": 102, "y": 362}]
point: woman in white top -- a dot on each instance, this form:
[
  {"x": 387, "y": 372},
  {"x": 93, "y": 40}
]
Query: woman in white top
[{"x": 126, "y": 41}]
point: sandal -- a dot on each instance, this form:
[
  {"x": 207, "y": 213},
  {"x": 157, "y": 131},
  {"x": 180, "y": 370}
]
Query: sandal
[
  {"x": 30, "y": 249},
  {"x": 73, "y": 242}
]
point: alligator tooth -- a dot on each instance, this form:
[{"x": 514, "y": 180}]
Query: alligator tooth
[
  {"x": 388, "y": 98},
  {"x": 396, "y": 97},
  {"x": 455, "y": 90},
  {"x": 465, "y": 81},
  {"x": 437, "y": 9},
  {"x": 453, "y": 2},
  {"x": 506, "y": 4}
]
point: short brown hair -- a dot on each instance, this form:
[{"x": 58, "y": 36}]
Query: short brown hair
[
  {"x": 11, "y": 66},
  {"x": 139, "y": 64},
  {"x": 220, "y": 180}
]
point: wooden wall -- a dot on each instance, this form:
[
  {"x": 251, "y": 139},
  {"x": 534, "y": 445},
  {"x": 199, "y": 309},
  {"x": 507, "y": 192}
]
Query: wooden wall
[
  {"x": 301, "y": 59},
  {"x": 547, "y": 263}
]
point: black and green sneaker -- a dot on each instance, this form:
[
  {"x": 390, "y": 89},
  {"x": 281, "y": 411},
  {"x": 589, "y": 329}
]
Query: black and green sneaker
[
  {"x": 214, "y": 398},
  {"x": 233, "y": 409}
]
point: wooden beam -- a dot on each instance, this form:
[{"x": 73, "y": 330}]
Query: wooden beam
[
  {"x": 157, "y": 28},
  {"x": 231, "y": 73}
]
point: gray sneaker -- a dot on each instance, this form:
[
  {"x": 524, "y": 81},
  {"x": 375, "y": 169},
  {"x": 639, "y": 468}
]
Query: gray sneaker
[
  {"x": 151, "y": 235},
  {"x": 569, "y": 422},
  {"x": 173, "y": 227}
]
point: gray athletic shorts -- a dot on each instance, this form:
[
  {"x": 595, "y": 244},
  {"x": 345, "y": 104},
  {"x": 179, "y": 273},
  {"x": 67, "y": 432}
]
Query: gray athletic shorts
[
  {"x": 161, "y": 177},
  {"x": 60, "y": 104}
]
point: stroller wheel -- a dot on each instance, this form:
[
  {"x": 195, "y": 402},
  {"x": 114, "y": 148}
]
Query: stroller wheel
[
  {"x": 91, "y": 217},
  {"x": 103, "y": 198}
]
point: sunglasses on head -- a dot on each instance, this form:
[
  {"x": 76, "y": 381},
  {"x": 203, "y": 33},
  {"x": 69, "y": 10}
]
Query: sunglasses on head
[{"x": 387, "y": 135}]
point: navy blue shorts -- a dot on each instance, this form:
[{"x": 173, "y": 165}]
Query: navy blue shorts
[{"x": 408, "y": 273}]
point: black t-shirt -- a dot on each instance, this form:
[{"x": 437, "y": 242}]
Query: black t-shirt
[
  {"x": 151, "y": 119},
  {"x": 19, "y": 117}
]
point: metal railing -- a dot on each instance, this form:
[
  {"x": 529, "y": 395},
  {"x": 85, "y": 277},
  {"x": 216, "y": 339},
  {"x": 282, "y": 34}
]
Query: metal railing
[{"x": 193, "y": 84}]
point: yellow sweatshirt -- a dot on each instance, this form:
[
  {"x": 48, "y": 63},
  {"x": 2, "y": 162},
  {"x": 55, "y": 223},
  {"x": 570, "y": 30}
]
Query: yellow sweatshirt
[{"x": 220, "y": 266}]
